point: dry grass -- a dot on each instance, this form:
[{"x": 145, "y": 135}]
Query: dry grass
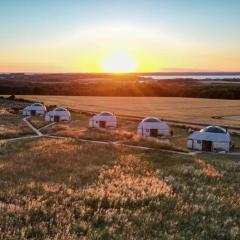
[
  {"x": 58, "y": 189},
  {"x": 37, "y": 121},
  {"x": 123, "y": 134},
  {"x": 182, "y": 109},
  {"x": 11, "y": 125}
]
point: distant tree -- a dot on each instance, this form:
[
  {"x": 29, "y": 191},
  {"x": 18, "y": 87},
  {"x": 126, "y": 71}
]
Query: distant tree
[{"x": 12, "y": 97}]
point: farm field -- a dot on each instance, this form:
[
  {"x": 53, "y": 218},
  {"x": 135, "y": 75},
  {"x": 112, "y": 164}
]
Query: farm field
[
  {"x": 64, "y": 189},
  {"x": 191, "y": 110}
]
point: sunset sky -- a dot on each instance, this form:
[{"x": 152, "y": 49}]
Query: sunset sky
[{"x": 118, "y": 36}]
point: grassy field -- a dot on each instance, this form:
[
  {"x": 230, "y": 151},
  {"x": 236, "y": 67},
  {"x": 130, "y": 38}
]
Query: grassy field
[
  {"x": 59, "y": 189},
  {"x": 65, "y": 189},
  {"x": 12, "y": 126},
  {"x": 181, "y": 109}
]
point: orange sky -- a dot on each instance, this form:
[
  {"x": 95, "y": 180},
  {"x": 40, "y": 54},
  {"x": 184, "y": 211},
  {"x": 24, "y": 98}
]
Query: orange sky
[{"x": 89, "y": 37}]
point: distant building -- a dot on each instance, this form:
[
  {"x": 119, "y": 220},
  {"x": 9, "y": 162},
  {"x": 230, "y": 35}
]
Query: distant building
[
  {"x": 103, "y": 120},
  {"x": 153, "y": 127},
  {"x": 57, "y": 115},
  {"x": 210, "y": 139},
  {"x": 34, "y": 109}
]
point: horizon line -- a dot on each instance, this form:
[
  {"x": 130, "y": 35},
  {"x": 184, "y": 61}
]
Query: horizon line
[{"x": 130, "y": 73}]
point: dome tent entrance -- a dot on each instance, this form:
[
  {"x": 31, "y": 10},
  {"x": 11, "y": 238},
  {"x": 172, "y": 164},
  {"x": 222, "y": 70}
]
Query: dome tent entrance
[
  {"x": 153, "y": 127},
  {"x": 34, "y": 109},
  {"x": 210, "y": 139},
  {"x": 103, "y": 120},
  {"x": 57, "y": 115}
]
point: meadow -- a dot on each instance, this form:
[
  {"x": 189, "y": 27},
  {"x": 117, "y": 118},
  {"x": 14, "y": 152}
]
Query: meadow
[
  {"x": 64, "y": 189},
  {"x": 190, "y": 110}
]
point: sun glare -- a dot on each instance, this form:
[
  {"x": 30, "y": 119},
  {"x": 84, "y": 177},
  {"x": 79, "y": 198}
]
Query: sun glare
[{"x": 119, "y": 62}]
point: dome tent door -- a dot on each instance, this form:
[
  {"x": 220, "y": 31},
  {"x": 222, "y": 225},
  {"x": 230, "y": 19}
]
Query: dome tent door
[
  {"x": 207, "y": 146},
  {"x": 33, "y": 112},
  {"x": 153, "y": 132},
  {"x": 102, "y": 124},
  {"x": 56, "y": 118}
]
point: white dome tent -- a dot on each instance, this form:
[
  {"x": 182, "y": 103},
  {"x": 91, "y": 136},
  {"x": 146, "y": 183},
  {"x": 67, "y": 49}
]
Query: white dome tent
[
  {"x": 153, "y": 127},
  {"x": 103, "y": 120},
  {"x": 57, "y": 115},
  {"x": 210, "y": 139},
  {"x": 34, "y": 109}
]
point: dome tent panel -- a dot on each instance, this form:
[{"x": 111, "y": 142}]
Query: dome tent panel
[
  {"x": 214, "y": 129},
  {"x": 107, "y": 114},
  {"x": 151, "y": 119}
]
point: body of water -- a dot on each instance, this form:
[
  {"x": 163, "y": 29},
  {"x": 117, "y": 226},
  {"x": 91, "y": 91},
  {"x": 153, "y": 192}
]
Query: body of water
[{"x": 196, "y": 77}]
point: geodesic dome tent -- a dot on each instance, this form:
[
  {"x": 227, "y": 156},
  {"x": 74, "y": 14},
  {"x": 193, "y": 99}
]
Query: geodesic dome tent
[
  {"x": 34, "y": 109},
  {"x": 153, "y": 127},
  {"x": 103, "y": 120},
  {"x": 57, "y": 115},
  {"x": 210, "y": 139}
]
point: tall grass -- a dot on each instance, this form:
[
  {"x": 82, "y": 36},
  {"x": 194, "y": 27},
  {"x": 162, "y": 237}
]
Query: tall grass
[
  {"x": 123, "y": 134},
  {"x": 58, "y": 189}
]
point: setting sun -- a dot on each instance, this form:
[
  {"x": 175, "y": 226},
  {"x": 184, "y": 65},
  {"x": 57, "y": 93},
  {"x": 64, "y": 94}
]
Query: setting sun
[{"x": 119, "y": 62}]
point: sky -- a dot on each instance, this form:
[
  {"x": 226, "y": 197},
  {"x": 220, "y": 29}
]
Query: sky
[{"x": 112, "y": 35}]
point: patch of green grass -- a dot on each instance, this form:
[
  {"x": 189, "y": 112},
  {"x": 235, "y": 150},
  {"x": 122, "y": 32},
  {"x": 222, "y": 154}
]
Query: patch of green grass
[{"x": 236, "y": 140}]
